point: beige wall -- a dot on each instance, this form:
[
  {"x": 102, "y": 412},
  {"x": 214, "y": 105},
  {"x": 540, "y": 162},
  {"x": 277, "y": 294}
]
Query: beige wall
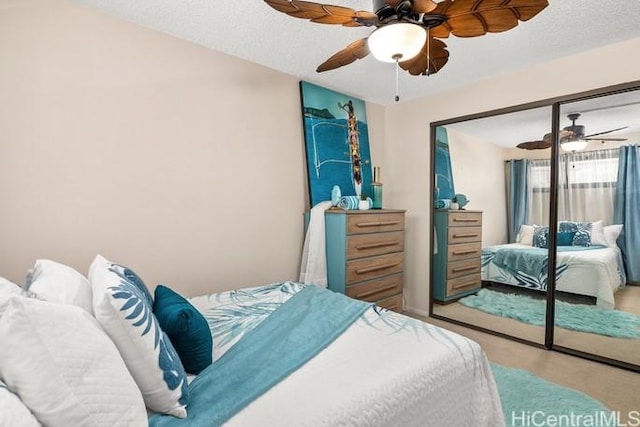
[
  {"x": 478, "y": 173},
  {"x": 185, "y": 164},
  {"x": 188, "y": 164},
  {"x": 408, "y": 123}
]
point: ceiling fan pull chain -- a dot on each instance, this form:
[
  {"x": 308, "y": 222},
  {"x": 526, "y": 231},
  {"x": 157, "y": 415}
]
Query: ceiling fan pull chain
[{"x": 397, "y": 58}]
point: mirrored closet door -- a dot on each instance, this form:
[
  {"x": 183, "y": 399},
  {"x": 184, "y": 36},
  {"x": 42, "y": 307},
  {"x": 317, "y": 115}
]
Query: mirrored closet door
[
  {"x": 597, "y": 308},
  {"x": 501, "y": 179},
  {"x": 488, "y": 194}
]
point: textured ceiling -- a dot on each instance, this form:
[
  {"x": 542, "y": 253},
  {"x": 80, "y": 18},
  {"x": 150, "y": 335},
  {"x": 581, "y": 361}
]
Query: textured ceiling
[{"x": 252, "y": 30}]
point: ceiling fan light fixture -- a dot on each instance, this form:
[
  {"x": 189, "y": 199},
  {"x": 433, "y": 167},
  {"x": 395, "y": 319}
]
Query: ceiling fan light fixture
[
  {"x": 400, "y": 41},
  {"x": 574, "y": 145}
]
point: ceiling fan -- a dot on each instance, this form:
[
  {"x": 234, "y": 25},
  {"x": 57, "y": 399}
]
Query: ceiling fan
[
  {"x": 572, "y": 137},
  {"x": 407, "y": 31}
]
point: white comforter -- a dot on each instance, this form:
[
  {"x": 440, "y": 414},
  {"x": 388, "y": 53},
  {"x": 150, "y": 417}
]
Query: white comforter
[
  {"x": 385, "y": 370},
  {"x": 593, "y": 272}
]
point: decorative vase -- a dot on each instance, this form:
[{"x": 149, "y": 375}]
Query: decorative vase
[
  {"x": 364, "y": 205},
  {"x": 454, "y": 206},
  {"x": 376, "y": 189}
]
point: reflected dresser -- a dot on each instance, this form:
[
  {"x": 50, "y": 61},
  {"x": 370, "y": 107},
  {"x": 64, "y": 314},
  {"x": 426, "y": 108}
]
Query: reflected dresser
[{"x": 458, "y": 249}]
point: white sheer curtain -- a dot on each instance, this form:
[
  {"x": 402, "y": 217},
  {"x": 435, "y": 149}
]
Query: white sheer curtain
[
  {"x": 539, "y": 183},
  {"x": 587, "y": 185}
]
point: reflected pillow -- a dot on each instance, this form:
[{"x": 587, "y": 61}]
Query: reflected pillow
[
  {"x": 581, "y": 230},
  {"x": 611, "y": 234},
  {"x": 565, "y": 238},
  {"x": 186, "y": 327},
  {"x": 540, "y": 236},
  {"x": 525, "y": 236}
]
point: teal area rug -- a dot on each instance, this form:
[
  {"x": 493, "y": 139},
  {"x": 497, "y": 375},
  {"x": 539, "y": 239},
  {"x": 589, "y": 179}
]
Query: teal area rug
[
  {"x": 528, "y": 400},
  {"x": 576, "y": 317}
]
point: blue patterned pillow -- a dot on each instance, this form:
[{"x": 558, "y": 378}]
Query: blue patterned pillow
[
  {"x": 581, "y": 230},
  {"x": 186, "y": 327},
  {"x": 540, "y": 236},
  {"x": 121, "y": 306}
]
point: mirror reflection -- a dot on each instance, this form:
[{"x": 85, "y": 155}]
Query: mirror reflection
[
  {"x": 598, "y": 252},
  {"x": 488, "y": 194}
]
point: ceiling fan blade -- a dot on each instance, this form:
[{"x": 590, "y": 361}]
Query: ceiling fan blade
[
  {"x": 472, "y": 18},
  {"x": 534, "y": 145},
  {"x": 605, "y": 132},
  {"x": 419, "y": 6},
  {"x": 437, "y": 54},
  {"x": 324, "y": 13},
  {"x": 605, "y": 139},
  {"x": 356, "y": 50}
]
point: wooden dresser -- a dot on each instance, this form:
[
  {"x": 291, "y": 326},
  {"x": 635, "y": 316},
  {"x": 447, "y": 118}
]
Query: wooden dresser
[
  {"x": 365, "y": 254},
  {"x": 456, "y": 264}
]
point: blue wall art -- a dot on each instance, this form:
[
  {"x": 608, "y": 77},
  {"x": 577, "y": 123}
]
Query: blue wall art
[{"x": 337, "y": 143}]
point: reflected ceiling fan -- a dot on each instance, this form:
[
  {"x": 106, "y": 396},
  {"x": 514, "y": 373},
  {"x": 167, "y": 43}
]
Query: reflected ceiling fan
[
  {"x": 572, "y": 138},
  {"x": 407, "y": 31}
]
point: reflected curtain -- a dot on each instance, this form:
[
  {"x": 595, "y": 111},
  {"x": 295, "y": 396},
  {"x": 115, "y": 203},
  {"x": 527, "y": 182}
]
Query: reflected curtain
[
  {"x": 517, "y": 172},
  {"x": 539, "y": 184},
  {"x": 627, "y": 209},
  {"x": 587, "y": 185}
]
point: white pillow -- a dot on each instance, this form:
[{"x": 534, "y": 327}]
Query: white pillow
[
  {"x": 525, "y": 236},
  {"x": 65, "y": 368},
  {"x": 611, "y": 233},
  {"x": 597, "y": 234},
  {"x": 123, "y": 306},
  {"x": 59, "y": 283},
  {"x": 14, "y": 413},
  {"x": 7, "y": 290}
]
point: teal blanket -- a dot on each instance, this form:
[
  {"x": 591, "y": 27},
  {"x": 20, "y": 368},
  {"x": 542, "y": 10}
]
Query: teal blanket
[
  {"x": 530, "y": 260},
  {"x": 298, "y": 330}
]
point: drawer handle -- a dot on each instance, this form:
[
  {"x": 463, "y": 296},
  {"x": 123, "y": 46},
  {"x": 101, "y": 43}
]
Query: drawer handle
[
  {"x": 466, "y": 235},
  {"x": 470, "y": 251},
  {"x": 467, "y": 268},
  {"x": 464, "y": 220},
  {"x": 376, "y": 223},
  {"x": 378, "y": 245},
  {"x": 375, "y": 291},
  {"x": 464, "y": 285},
  {"x": 377, "y": 267}
]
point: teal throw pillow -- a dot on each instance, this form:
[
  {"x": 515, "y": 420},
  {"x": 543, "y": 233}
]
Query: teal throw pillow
[
  {"x": 565, "y": 238},
  {"x": 186, "y": 327}
]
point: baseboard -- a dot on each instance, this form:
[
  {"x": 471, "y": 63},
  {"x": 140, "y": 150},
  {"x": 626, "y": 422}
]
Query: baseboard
[{"x": 417, "y": 311}]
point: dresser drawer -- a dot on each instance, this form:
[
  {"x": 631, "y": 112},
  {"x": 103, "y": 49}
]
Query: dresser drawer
[
  {"x": 464, "y": 234},
  {"x": 377, "y": 289},
  {"x": 464, "y": 218},
  {"x": 375, "y": 222},
  {"x": 463, "y": 267},
  {"x": 378, "y": 266},
  {"x": 464, "y": 251},
  {"x": 362, "y": 245},
  {"x": 463, "y": 284},
  {"x": 393, "y": 303}
]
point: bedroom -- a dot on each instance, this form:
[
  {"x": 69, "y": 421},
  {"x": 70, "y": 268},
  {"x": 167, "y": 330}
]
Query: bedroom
[
  {"x": 125, "y": 143},
  {"x": 597, "y": 280}
]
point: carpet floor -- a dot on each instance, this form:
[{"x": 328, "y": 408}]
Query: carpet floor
[{"x": 529, "y": 400}]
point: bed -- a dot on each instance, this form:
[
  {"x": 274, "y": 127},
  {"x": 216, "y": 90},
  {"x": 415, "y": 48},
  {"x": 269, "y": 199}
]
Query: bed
[
  {"x": 595, "y": 271},
  {"x": 381, "y": 369}
]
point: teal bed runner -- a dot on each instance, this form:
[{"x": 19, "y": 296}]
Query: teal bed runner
[{"x": 298, "y": 330}]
